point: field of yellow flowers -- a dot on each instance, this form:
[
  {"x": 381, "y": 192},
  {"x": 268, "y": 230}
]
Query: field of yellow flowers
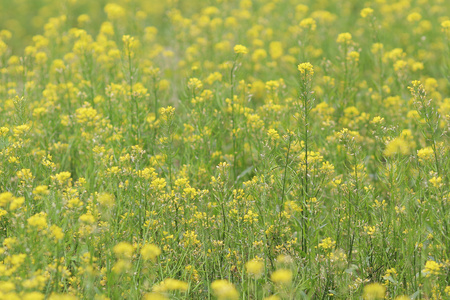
[{"x": 224, "y": 149}]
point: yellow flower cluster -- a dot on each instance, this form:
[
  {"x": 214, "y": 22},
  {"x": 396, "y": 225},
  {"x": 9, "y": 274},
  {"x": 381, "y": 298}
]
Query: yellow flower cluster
[{"x": 260, "y": 149}]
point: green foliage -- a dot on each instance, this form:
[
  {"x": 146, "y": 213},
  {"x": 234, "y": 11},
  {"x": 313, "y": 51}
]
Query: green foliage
[{"x": 224, "y": 149}]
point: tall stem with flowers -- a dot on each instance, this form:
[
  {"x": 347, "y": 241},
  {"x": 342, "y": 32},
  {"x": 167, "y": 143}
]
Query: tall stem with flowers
[{"x": 305, "y": 104}]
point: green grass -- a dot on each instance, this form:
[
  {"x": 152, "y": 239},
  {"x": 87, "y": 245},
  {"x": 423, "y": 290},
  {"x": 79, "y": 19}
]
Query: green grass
[{"x": 224, "y": 150}]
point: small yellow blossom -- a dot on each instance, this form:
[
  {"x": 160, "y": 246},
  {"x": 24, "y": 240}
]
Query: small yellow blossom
[
  {"x": 150, "y": 252},
  {"x": 414, "y": 17},
  {"x": 273, "y": 134},
  {"x": 155, "y": 296},
  {"x": 344, "y": 38},
  {"x": 16, "y": 203},
  {"x": 309, "y": 23},
  {"x": 114, "y": 11},
  {"x": 33, "y": 296},
  {"x": 57, "y": 232},
  {"x": 306, "y": 68},
  {"x": 87, "y": 218},
  {"x": 425, "y": 154},
  {"x": 194, "y": 84},
  {"x": 7, "y": 286},
  {"x": 170, "y": 284},
  {"x": 25, "y": 174},
  {"x": 240, "y": 49},
  {"x": 38, "y": 221},
  {"x": 275, "y": 50},
  {"x": 436, "y": 181},
  {"x": 366, "y": 12},
  {"x": 123, "y": 249},
  {"x": 282, "y": 276},
  {"x": 397, "y": 146},
  {"x": 62, "y": 178},
  {"x": 432, "y": 268},
  {"x": 5, "y": 198},
  {"x": 273, "y": 297},
  {"x": 376, "y": 48},
  {"x": 224, "y": 290},
  {"x": 327, "y": 243},
  {"x": 255, "y": 267},
  {"x": 445, "y": 24},
  {"x": 106, "y": 199},
  {"x": 374, "y": 291}
]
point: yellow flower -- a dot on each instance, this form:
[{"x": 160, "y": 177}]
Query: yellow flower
[
  {"x": 38, "y": 220},
  {"x": 273, "y": 134},
  {"x": 275, "y": 50},
  {"x": 240, "y": 49},
  {"x": 400, "y": 65},
  {"x": 25, "y": 174},
  {"x": 123, "y": 249},
  {"x": 16, "y": 203},
  {"x": 58, "y": 66},
  {"x": 33, "y": 296},
  {"x": 130, "y": 43},
  {"x": 224, "y": 290},
  {"x": 308, "y": 23},
  {"x": 445, "y": 24},
  {"x": 344, "y": 38},
  {"x": 62, "y": 178},
  {"x": 327, "y": 243},
  {"x": 170, "y": 284},
  {"x": 284, "y": 259},
  {"x": 255, "y": 267},
  {"x": 194, "y": 84},
  {"x": 366, "y": 12},
  {"x": 306, "y": 68},
  {"x": 39, "y": 191},
  {"x": 436, "y": 181},
  {"x": 8, "y": 243},
  {"x": 282, "y": 276},
  {"x": 374, "y": 291},
  {"x": 414, "y": 17},
  {"x": 20, "y": 130},
  {"x": 150, "y": 251},
  {"x": 353, "y": 56},
  {"x": 83, "y": 20},
  {"x": 377, "y": 120},
  {"x": 425, "y": 154},
  {"x": 167, "y": 113},
  {"x": 397, "y": 146},
  {"x": 155, "y": 296},
  {"x": 63, "y": 297},
  {"x": 5, "y": 198},
  {"x": 292, "y": 207},
  {"x": 114, "y": 11},
  {"x": 446, "y": 27},
  {"x": 273, "y": 297},
  {"x": 57, "y": 232},
  {"x": 87, "y": 218},
  {"x": 7, "y": 286},
  {"x": 86, "y": 114},
  {"x": 432, "y": 268},
  {"x": 121, "y": 266},
  {"x": 4, "y": 130},
  {"x": 41, "y": 58},
  {"x": 107, "y": 28},
  {"x": 106, "y": 199},
  {"x": 376, "y": 48}
]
